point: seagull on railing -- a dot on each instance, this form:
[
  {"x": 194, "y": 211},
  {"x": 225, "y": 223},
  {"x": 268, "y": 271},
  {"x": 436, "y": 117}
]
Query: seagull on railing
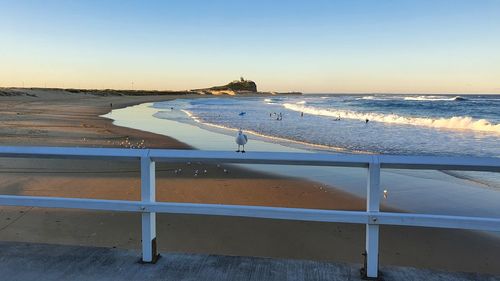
[{"x": 241, "y": 140}]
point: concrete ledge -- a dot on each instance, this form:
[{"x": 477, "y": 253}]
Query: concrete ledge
[{"x": 28, "y": 261}]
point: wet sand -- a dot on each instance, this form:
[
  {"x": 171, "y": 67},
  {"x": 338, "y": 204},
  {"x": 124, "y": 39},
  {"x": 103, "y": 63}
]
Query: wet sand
[{"x": 69, "y": 119}]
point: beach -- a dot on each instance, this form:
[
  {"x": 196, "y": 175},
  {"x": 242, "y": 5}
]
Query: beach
[{"x": 57, "y": 118}]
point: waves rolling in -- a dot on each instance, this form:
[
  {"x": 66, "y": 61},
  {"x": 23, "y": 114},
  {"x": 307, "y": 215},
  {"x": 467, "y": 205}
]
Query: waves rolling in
[
  {"x": 413, "y": 98},
  {"x": 434, "y": 98},
  {"x": 454, "y": 123},
  {"x": 417, "y": 125},
  {"x": 468, "y": 128},
  {"x": 265, "y": 136}
]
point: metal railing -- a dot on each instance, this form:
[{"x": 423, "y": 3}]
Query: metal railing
[{"x": 148, "y": 206}]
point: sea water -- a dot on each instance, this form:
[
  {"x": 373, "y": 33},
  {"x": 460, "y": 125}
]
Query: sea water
[
  {"x": 210, "y": 124},
  {"x": 445, "y": 125}
]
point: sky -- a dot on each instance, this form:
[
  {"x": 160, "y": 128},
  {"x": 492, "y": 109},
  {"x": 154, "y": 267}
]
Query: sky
[{"x": 351, "y": 46}]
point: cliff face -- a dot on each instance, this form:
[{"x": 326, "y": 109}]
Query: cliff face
[
  {"x": 237, "y": 87},
  {"x": 241, "y": 85}
]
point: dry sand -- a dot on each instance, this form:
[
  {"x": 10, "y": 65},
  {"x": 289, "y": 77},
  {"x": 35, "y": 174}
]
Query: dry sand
[{"x": 58, "y": 118}]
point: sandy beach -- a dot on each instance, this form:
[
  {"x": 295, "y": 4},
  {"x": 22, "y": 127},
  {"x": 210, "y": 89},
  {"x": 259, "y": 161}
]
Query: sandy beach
[{"x": 58, "y": 118}]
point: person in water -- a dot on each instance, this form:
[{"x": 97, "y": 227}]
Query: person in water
[
  {"x": 302, "y": 114},
  {"x": 366, "y": 121}
]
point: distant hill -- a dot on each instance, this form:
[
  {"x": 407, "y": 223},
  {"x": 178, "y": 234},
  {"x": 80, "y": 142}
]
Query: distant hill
[
  {"x": 238, "y": 85},
  {"x": 241, "y": 86}
]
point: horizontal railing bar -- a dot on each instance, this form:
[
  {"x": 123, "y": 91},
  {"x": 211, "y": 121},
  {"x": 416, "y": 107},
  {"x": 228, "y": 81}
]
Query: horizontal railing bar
[
  {"x": 358, "y": 217},
  {"x": 281, "y": 158},
  {"x": 70, "y": 152},
  {"x": 487, "y": 164},
  {"x": 438, "y": 221},
  {"x": 330, "y": 159},
  {"x": 71, "y": 203},
  {"x": 187, "y": 208},
  {"x": 263, "y": 212}
]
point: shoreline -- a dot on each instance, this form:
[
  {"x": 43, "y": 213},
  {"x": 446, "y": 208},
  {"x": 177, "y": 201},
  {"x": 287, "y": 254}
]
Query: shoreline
[
  {"x": 44, "y": 122},
  {"x": 409, "y": 190}
]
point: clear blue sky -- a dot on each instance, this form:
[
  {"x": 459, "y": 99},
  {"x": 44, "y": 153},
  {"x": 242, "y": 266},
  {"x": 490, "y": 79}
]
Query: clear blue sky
[{"x": 310, "y": 46}]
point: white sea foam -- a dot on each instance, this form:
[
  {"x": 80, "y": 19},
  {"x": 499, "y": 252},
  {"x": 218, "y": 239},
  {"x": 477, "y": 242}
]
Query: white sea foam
[
  {"x": 319, "y": 146},
  {"x": 456, "y": 123},
  {"x": 272, "y": 100},
  {"x": 434, "y": 98},
  {"x": 374, "y": 98},
  {"x": 413, "y": 98},
  {"x": 367, "y": 98}
]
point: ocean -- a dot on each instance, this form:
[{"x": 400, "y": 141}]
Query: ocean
[
  {"x": 397, "y": 124},
  {"x": 445, "y": 125},
  {"x": 407, "y": 125}
]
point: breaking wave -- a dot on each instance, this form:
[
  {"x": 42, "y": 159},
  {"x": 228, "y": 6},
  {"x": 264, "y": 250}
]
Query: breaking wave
[
  {"x": 456, "y": 123},
  {"x": 413, "y": 98},
  {"x": 367, "y": 98},
  {"x": 272, "y": 100},
  {"x": 256, "y": 133},
  {"x": 435, "y": 98}
]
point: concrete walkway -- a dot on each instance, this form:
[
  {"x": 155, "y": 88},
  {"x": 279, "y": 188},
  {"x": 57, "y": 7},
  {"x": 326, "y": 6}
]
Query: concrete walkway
[{"x": 27, "y": 261}]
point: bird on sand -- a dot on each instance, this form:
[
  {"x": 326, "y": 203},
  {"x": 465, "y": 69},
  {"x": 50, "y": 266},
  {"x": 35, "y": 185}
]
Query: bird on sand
[{"x": 241, "y": 140}]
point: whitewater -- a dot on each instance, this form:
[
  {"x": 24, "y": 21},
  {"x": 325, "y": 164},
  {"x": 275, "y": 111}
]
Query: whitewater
[
  {"x": 398, "y": 124},
  {"x": 455, "y": 122}
]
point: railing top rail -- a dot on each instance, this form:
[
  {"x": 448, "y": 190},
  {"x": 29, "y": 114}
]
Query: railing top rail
[
  {"x": 70, "y": 152},
  {"x": 441, "y": 163},
  {"x": 282, "y": 158}
]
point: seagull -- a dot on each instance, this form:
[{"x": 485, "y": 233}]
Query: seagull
[{"x": 241, "y": 139}]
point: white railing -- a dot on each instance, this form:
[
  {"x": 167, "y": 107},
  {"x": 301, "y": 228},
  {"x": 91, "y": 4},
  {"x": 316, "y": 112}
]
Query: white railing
[{"x": 148, "y": 206}]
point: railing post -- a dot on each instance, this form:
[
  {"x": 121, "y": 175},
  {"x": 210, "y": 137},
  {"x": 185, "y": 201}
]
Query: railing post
[
  {"x": 372, "y": 228},
  {"x": 148, "y": 190}
]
